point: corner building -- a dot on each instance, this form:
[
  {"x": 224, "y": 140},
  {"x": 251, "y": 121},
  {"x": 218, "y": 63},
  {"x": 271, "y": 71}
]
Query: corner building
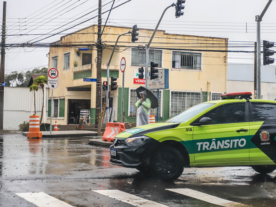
[{"x": 197, "y": 72}]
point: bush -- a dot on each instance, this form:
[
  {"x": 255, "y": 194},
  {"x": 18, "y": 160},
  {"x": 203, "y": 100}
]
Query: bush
[{"x": 24, "y": 127}]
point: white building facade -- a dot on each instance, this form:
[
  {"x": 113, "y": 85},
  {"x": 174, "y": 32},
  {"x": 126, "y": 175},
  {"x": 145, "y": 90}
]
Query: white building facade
[
  {"x": 240, "y": 78},
  {"x": 19, "y": 105}
]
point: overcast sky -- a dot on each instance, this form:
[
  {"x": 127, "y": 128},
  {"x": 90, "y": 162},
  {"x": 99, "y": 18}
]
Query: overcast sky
[{"x": 218, "y": 18}]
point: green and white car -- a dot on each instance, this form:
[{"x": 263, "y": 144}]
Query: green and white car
[{"x": 234, "y": 131}]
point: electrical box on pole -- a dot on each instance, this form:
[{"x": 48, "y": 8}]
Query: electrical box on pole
[
  {"x": 153, "y": 70},
  {"x": 141, "y": 73},
  {"x": 134, "y": 33},
  {"x": 113, "y": 84},
  {"x": 179, "y": 7},
  {"x": 267, "y": 60}
]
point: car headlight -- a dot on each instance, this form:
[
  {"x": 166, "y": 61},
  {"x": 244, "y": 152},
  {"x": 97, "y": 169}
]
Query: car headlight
[{"x": 136, "y": 141}]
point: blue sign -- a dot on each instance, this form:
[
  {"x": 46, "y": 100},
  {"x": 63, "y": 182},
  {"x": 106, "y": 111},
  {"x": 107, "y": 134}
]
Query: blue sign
[
  {"x": 90, "y": 80},
  {"x": 3, "y": 84}
]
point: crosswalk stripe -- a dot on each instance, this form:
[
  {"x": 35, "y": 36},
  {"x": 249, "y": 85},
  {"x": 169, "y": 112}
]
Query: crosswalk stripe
[
  {"x": 43, "y": 200},
  {"x": 128, "y": 198},
  {"x": 205, "y": 197}
]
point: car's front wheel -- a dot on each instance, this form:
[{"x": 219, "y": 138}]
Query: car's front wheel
[
  {"x": 168, "y": 163},
  {"x": 264, "y": 169}
]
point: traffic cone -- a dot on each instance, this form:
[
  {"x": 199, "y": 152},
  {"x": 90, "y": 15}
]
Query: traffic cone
[{"x": 56, "y": 129}]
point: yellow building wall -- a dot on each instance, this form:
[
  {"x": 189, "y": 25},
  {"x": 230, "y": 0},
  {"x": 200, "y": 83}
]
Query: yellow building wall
[{"x": 214, "y": 64}]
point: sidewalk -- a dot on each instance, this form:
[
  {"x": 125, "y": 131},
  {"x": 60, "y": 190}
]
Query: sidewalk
[
  {"x": 2, "y": 132},
  {"x": 71, "y": 133}
]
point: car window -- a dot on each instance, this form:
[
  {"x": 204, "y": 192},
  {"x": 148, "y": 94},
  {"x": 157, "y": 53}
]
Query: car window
[
  {"x": 190, "y": 113},
  {"x": 263, "y": 111},
  {"x": 229, "y": 113}
]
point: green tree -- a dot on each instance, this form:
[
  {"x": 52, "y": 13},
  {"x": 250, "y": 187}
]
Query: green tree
[
  {"x": 14, "y": 78},
  {"x": 20, "y": 79},
  {"x": 34, "y": 88},
  {"x": 40, "y": 81}
]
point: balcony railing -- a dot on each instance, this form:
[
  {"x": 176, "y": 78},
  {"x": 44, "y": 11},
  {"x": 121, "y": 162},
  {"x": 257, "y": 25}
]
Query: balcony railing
[{"x": 81, "y": 68}]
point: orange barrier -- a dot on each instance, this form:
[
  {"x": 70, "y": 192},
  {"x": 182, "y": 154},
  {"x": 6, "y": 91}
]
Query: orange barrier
[
  {"x": 34, "y": 127},
  {"x": 151, "y": 119},
  {"x": 56, "y": 129},
  {"x": 111, "y": 130}
]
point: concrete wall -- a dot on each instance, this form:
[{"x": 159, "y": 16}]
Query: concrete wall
[
  {"x": 245, "y": 72},
  {"x": 268, "y": 89},
  {"x": 19, "y": 105}
]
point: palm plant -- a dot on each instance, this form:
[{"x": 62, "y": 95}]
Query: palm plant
[
  {"x": 40, "y": 81},
  {"x": 34, "y": 88}
]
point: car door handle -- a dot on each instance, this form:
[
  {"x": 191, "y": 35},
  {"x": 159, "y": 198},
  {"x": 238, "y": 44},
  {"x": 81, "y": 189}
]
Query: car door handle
[{"x": 242, "y": 130}]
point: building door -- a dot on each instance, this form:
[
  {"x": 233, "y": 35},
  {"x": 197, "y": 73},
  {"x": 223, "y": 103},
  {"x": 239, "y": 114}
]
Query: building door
[{"x": 74, "y": 109}]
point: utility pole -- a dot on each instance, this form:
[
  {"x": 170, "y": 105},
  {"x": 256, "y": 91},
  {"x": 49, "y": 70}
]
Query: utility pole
[
  {"x": 98, "y": 120},
  {"x": 255, "y": 70},
  {"x": 2, "y": 71},
  {"x": 258, "y": 19}
]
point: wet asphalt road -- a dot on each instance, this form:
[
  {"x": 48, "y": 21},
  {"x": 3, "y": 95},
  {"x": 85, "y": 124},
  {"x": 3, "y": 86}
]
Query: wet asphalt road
[{"x": 71, "y": 171}]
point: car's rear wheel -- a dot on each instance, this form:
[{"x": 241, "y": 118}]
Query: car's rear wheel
[
  {"x": 264, "y": 169},
  {"x": 168, "y": 163}
]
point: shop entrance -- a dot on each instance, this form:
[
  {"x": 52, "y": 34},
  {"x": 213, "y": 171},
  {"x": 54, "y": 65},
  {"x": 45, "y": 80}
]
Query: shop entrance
[{"x": 78, "y": 109}]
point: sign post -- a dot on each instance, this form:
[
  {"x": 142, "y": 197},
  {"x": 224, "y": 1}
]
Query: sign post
[
  {"x": 123, "y": 68},
  {"x": 162, "y": 82},
  {"x": 52, "y": 84}
]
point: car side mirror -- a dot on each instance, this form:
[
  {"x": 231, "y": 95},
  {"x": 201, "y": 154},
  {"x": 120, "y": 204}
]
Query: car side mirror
[{"x": 205, "y": 121}]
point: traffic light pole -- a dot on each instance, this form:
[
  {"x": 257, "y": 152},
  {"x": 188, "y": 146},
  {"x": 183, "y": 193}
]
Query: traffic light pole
[
  {"x": 148, "y": 46},
  {"x": 258, "y": 19},
  {"x": 107, "y": 74}
]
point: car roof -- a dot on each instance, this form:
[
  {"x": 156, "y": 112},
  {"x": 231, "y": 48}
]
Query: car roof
[{"x": 241, "y": 100}]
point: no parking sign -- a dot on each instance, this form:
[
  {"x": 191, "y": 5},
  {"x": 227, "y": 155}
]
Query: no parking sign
[{"x": 53, "y": 78}]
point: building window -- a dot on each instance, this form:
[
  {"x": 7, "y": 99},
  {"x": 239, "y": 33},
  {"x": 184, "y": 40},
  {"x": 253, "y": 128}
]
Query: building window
[
  {"x": 66, "y": 61},
  {"x": 86, "y": 58},
  {"x": 132, "y": 110},
  {"x": 138, "y": 57},
  {"x": 216, "y": 96},
  {"x": 181, "y": 101},
  {"x": 187, "y": 60},
  {"x": 55, "y": 108},
  {"x": 54, "y": 62}
]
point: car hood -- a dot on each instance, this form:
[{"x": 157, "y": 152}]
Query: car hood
[{"x": 145, "y": 129}]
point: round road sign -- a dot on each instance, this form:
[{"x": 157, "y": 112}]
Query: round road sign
[
  {"x": 53, "y": 73},
  {"x": 123, "y": 65}
]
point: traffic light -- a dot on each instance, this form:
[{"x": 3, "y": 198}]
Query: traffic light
[
  {"x": 267, "y": 52},
  {"x": 153, "y": 70},
  {"x": 134, "y": 33},
  {"x": 105, "y": 85},
  {"x": 179, "y": 6},
  {"x": 113, "y": 84},
  {"x": 141, "y": 73}
]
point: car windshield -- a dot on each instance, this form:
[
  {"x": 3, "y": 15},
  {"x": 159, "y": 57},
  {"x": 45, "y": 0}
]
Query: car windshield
[{"x": 190, "y": 113}]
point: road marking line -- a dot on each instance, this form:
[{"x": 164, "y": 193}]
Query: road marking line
[
  {"x": 43, "y": 200},
  {"x": 205, "y": 197},
  {"x": 128, "y": 198}
]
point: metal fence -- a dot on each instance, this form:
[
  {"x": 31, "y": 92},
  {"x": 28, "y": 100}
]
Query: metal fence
[{"x": 179, "y": 101}]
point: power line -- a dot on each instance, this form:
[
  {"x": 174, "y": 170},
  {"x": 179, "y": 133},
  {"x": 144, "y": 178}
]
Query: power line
[
  {"x": 45, "y": 10},
  {"x": 73, "y": 21},
  {"x": 81, "y": 22}
]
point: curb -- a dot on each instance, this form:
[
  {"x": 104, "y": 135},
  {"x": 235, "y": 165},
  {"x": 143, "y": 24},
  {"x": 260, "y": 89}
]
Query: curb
[{"x": 99, "y": 143}]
